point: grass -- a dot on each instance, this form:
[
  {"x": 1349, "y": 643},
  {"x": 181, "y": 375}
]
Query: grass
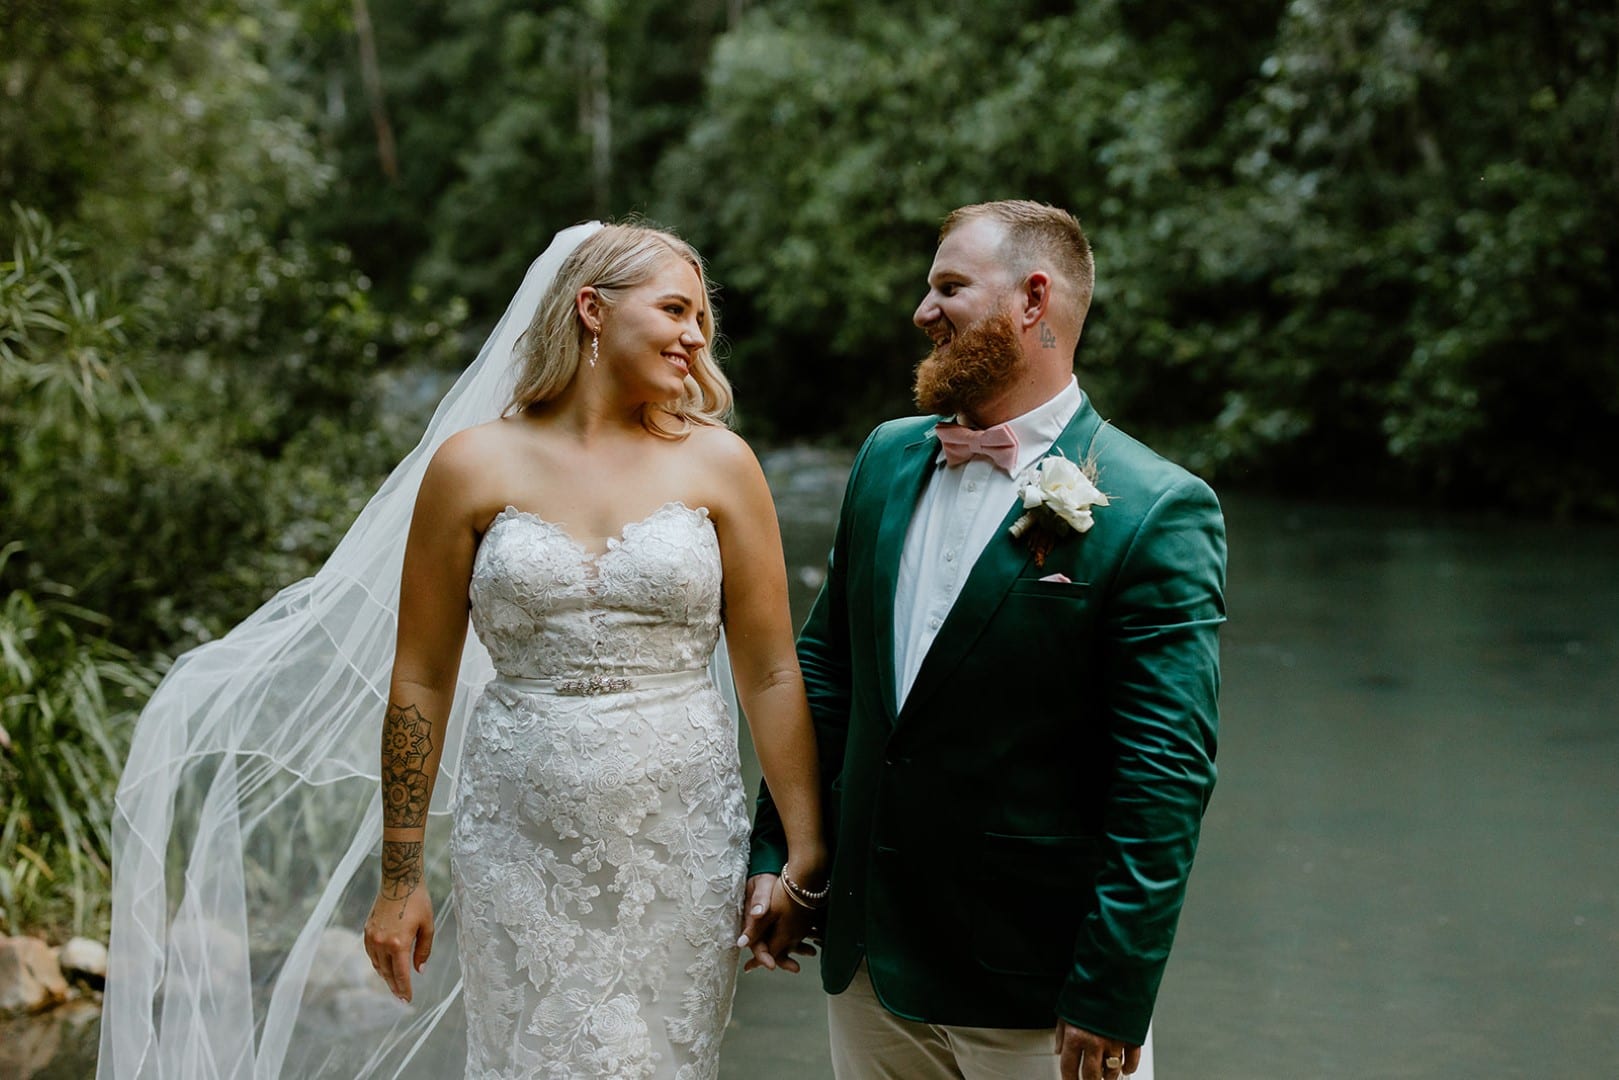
[{"x": 68, "y": 702}]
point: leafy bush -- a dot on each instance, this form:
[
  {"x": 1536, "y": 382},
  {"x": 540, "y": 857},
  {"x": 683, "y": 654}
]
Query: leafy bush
[
  {"x": 68, "y": 701},
  {"x": 1340, "y": 247},
  {"x": 188, "y": 404}
]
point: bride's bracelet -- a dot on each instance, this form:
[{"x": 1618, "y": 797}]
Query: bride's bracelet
[{"x": 804, "y": 898}]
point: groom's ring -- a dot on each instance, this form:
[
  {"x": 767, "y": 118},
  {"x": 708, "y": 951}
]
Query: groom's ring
[{"x": 1113, "y": 1061}]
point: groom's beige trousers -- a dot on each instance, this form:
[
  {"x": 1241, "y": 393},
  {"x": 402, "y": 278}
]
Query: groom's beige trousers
[{"x": 871, "y": 1043}]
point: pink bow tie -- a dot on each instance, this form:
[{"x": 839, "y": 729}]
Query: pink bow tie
[{"x": 961, "y": 444}]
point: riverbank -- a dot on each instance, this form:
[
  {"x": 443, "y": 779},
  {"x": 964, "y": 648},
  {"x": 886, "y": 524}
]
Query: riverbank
[{"x": 50, "y": 1006}]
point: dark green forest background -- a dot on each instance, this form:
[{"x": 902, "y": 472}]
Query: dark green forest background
[{"x": 1353, "y": 250}]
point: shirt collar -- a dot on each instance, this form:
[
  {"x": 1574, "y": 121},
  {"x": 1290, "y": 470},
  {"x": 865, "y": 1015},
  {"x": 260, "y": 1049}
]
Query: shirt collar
[{"x": 1037, "y": 429}]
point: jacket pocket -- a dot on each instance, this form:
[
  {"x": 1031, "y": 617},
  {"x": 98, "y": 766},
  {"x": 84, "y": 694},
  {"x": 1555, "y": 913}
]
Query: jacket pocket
[
  {"x": 1030, "y": 895},
  {"x": 1054, "y": 590}
]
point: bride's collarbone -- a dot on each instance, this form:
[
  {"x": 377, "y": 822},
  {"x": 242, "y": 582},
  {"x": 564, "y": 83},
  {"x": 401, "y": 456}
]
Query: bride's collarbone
[
  {"x": 593, "y": 524},
  {"x": 594, "y": 496}
]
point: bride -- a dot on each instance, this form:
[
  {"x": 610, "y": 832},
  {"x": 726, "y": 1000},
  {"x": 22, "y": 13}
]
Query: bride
[{"x": 579, "y": 498}]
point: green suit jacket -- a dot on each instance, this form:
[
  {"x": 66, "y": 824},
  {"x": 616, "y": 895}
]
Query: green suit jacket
[{"x": 1012, "y": 845}]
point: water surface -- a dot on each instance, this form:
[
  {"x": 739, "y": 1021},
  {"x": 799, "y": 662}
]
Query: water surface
[{"x": 1411, "y": 864}]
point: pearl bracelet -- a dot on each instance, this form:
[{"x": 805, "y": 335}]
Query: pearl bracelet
[{"x": 803, "y": 897}]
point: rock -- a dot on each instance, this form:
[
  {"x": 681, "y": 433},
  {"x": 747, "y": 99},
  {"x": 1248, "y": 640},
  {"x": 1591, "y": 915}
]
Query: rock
[
  {"x": 27, "y": 1047},
  {"x": 204, "y": 958},
  {"x": 30, "y": 980},
  {"x": 341, "y": 964},
  {"x": 343, "y": 992},
  {"x": 62, "y": 1042},
  {"x": 84, "y": 960},
  {"x": 361, "y": 1010}
]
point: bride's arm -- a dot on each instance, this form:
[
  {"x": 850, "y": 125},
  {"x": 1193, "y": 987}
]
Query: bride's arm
[
  {"x": 764, "y": 661},
  {"x": 432, "y": 632}
]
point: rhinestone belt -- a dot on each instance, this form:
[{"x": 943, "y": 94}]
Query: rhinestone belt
[{"x": 591, "y": 685}]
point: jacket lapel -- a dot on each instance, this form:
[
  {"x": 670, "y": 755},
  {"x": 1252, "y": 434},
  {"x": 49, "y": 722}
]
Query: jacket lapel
[
  {"x": 992, "y": 575},
  {"x": 914, "y": 468}
]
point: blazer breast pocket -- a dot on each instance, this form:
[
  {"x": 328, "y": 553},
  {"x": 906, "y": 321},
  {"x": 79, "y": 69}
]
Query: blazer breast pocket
[
  {"x": 1048, "y": 618},
  {"x": 1074, "y": 591}
]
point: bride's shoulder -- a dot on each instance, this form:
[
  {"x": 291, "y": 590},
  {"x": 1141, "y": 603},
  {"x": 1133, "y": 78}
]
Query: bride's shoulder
[
  {"x": 468, "y": 463},
  {"x": 722, "y": 450},
  {"x": 469, "y": 450},
  {"x": 716, "y": 441},
  {"x": 730, "y": 480}
]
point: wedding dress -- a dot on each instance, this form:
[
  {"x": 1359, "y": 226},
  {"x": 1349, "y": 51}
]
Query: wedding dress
[
  {"x": 599, "y": 831},
  {"x": 598, "y": 839}
]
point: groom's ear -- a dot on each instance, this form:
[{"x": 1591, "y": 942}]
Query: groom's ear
[{"x": 1035, "y": 298}]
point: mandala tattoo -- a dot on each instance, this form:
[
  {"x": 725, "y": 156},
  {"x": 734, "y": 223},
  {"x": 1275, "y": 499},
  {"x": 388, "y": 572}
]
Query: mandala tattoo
[
  {"x": 401, "y": 868},
  {"x": 407, "y": 739}
]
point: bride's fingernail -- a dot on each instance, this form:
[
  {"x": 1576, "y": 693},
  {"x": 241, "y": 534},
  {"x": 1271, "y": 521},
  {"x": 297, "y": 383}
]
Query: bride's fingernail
[
  {"x": 758, "y": 909},
  {"x": 742, "y": 942}
]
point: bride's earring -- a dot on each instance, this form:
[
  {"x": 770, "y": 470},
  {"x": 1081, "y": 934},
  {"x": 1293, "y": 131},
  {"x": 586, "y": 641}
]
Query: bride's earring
[{"x": 595, "y": 346}]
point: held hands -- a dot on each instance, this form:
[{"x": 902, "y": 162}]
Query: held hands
[
  {"x": 774, "y": 927},
  {"x": 399, "y": 937},
  {"x": 1084, "y": 1056}
]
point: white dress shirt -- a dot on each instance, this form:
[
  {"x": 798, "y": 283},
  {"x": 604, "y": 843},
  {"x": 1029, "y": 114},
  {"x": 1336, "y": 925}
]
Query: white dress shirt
[{"x": 958, "y": 514}]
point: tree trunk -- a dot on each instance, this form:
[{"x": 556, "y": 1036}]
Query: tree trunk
[
  {"x": 371, "y": 75},
  {"x": 597, "y": 113},
  {"x": 1613, "y": 115}
]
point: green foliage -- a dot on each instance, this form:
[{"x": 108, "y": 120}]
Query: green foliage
[
  {"x": 1341, "y": 247},
  {"x": 188, "y": 390},
  {"x": 1436, "y": 245},
  {"x": 1337, "y": 244},
  {"x": 178, "y": 489},
  {"x": 67, "y": 706},
  {"x": 496, "y": 106}
]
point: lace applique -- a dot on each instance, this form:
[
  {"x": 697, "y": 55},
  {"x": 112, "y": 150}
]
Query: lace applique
[{"x": 599, "y": 842}]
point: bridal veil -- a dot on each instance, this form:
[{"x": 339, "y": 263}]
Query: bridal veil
[{"x": 249, "y": 814}]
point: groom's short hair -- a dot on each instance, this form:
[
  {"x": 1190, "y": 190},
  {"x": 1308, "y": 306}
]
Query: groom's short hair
[{"x": 1036, "y": 233}]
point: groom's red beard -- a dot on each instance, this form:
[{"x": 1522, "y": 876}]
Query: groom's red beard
[{"x": 980, "y": 362}]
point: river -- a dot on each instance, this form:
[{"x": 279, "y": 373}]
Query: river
[{"x": 1411, "y": 864}]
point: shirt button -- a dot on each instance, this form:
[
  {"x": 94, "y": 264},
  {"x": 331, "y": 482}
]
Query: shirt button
[
  {"x": 950, "y": 556},
  {"x": 972, "y": 485},
  {"x": 933, "y": 624}
]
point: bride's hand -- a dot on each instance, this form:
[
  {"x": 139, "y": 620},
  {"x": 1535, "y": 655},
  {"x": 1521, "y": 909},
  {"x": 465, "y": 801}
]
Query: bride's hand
[
  {"x": 399, "y": 937},
  {"x": 775, "y": 927}
]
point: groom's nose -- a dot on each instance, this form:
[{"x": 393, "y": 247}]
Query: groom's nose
[{"x": 927, "y": 312}]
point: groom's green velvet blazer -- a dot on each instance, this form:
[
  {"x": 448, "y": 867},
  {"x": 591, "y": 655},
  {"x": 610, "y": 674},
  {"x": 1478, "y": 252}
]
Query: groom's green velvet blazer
[{"x": 1012, "y": 845}]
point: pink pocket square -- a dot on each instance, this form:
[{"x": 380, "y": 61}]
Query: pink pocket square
[{"x": 1062, "y": 579}]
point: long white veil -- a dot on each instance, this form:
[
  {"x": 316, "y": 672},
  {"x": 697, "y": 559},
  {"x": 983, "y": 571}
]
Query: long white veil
[{"x": 249, "y": 813}]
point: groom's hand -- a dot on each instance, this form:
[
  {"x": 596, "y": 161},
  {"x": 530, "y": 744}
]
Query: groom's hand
[
  {"x": 774, "y": 927},
  {"x": 1085, "y": 1056}
]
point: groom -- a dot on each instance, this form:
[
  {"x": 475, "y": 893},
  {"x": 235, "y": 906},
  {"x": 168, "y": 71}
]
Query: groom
[{"x": 1018, "y": 731}]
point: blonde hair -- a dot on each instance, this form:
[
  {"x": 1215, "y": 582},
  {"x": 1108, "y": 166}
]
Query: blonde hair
[
  {"x": 612, "y": 260},
  {"x": 1036, "y": 232}
]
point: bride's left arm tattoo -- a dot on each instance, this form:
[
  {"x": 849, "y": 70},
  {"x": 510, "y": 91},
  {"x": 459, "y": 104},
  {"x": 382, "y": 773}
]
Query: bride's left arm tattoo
[
  {"x": 407, "y": 742},
  {"x": 401, "y": 868}
]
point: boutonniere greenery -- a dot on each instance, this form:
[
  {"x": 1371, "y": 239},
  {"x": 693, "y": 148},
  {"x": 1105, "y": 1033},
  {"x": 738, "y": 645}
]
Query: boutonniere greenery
[{"x": 1058, "y": 497}]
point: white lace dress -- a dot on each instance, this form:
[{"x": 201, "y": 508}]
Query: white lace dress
[{"x": 600, "y": 829}]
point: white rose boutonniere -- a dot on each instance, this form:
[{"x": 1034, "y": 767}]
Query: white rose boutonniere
[{"x": 1058, "y": 497}]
